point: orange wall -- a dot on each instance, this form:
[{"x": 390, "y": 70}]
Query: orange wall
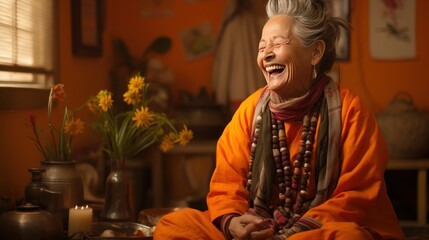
[
  {"x": 375, "y": 81},
  {"x": 139, "y": 31},
  {"x": 378, "y": 81}
]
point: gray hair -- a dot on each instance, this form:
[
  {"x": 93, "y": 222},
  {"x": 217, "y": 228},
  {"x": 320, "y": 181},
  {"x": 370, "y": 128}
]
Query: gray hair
[{"x": 312, "y": 22}]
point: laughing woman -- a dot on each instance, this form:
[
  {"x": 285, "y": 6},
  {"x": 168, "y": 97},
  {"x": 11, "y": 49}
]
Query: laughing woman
[{"x": 301, "y": 158}]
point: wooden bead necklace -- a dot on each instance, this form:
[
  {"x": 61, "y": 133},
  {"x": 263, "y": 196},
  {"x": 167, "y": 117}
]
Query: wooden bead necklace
[{"x": 292, "y": 179}]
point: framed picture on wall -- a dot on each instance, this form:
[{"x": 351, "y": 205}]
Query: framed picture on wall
[
  {"x": 392, "y": 29},
  {"x": 86, "y": 28},
  {"x": 197, "y": 41},
  {"x": 341, "y": 9}
]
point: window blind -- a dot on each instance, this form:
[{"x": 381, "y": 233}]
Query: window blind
[{"x": 27, "y": 43}]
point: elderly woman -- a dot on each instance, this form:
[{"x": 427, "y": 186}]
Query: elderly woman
[{"x": 301, "y": 157}]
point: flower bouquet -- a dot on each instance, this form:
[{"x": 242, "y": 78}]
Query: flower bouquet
[
  {"x": 56, "y": 145},
  {"x": 126, "y": 133}
]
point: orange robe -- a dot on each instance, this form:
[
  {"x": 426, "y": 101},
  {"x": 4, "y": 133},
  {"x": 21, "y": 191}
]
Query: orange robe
[{"x": 359, "y": 207}]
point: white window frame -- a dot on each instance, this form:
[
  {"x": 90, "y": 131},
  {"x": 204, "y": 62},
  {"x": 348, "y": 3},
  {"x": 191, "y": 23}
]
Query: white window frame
[{"x": 32, "y": 93}]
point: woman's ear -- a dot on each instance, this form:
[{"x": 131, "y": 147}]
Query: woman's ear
[{"x": 318, "y": 51}]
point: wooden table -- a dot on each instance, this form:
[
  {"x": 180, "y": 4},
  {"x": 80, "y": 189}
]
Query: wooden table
[{"x": 194, "y": 148}]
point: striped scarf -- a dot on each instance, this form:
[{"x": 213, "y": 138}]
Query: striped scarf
[{"x": 328, "y": 142}]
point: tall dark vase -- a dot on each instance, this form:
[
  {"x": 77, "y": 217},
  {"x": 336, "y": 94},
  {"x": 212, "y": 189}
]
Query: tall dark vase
[
  {"x": 117, "y": 201},
  {"x": 63, "y": 177}
]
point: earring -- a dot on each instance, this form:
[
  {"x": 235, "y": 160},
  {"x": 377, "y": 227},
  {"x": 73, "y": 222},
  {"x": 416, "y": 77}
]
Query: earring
[{"x": 314, "y": 72}]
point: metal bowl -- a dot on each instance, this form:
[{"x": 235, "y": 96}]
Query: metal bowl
[{"x": 119, "y": 230}]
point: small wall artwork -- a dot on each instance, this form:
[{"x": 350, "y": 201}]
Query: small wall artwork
[
  {"x": 393, "y": 29},
  {"x": 197, "y": 41},
  {"x": 157, "y": 8}
]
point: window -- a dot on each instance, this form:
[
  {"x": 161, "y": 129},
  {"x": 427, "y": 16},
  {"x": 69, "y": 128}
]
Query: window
[{"x": 27, "y": 52}]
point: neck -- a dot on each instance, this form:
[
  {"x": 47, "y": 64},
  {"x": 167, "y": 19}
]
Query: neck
[{"x": 297, "y": 107}]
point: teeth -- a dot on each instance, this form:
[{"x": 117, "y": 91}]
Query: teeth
[{"x": 273, "y": 67}]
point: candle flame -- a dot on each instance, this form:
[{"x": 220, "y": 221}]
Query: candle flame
[{"x": 75, "y": 207}]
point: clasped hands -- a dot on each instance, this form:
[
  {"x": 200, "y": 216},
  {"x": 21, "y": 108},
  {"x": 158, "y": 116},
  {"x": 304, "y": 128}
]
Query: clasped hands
[{"x": 248, "y": 226}]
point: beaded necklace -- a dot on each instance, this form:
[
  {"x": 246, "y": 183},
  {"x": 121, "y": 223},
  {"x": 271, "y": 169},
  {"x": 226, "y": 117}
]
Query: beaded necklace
[{"x": 292, "y": 179}]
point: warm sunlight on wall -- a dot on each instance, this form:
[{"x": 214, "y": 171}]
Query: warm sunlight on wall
[
  {"x": 375, "y": 81},
  {"x": 378, "y": 81},
  {"x": 82, "y": 78}
]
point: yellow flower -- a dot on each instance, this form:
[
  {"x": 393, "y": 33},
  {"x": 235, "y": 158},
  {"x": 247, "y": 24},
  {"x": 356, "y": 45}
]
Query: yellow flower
[
  {"x": 73, "y": 126},
  {"x": 105, "y": 101},
  {"x": 143, "y": 117},
  {"x": 166, "y": 146},
  {"x": 168, "y": 142},
  {"x": 129, "y": 98},
  {"x": 136, "y": 83},
  {"x": 185, "y": 136}
]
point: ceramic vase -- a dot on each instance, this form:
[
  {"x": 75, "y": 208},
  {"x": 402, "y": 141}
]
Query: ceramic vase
[
  {"x": 63, "y": 177},
  {"x": 117, "y": 200},
  {"x": 32, "y": 189}
]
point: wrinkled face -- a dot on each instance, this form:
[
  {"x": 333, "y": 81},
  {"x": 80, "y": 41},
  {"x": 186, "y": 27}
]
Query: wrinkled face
[{"x": 285, "y": 63}]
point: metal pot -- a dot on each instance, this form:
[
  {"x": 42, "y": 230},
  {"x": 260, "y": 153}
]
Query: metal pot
[
  {"x": 30, "y": 222},
  {"x": 63, "y": 177}
]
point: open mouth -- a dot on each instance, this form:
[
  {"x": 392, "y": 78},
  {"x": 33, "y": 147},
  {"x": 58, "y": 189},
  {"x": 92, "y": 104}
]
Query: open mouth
[{"x": 274, "y": 70}]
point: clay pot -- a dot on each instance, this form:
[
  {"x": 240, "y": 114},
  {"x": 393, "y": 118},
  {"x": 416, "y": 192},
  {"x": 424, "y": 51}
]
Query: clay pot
[
  {"x": 405, "y": 128},
  {"x": 30, "y": 222}
]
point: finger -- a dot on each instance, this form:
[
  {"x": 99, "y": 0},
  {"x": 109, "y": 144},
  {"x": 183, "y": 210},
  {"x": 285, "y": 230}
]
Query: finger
[
  {"x": 239, "y": 228},
  {"x": 262, "y": 234},
  {"x": 254, "y": 231},
  {"x": 258, "y": 224},
  {"x": 247, "y": 218},
  {"x": 266, "y": 223}
]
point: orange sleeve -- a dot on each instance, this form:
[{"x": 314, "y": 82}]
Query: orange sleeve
[
  {"x": 360, "y": 195},
  {"x": 227, "y": 192}
]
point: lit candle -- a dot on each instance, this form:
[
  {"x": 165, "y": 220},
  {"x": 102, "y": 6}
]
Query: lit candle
[{"x": 80, "y": 220}]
